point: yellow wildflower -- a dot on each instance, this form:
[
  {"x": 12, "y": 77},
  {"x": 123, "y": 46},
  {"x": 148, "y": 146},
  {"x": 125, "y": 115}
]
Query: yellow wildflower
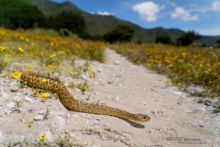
[
  {"x": 62, "y": 52},
  {"x": 70, "y": 73},
  {"x": 6, "y": 59},
  {"x": 43, "y": 80},
  {"x": 91, "y": 74},
  {"x": 77, "y": 45},
  {"x": 36, "y": 92},
  {"x": 42, "y": 138},
  {"x": 52, "y": 55},
  {"x": 29, "y": 125},
  {"x": 16, "y": 75},
  {"x": 184, "y": 54},
  {"x": 27, "y": 40},
  {"x": 29, "y": 68},
  {"x": 44, "y": 96},
  {"x": 90, "y": 67},
  {"x": 5, "y": 76},
  {"x": 21, "y": 50},
  {"x": 85, "y": 88},
  {"x": 52, "y": 67},
  {"x": 179, "y": 84},
  {"x": 2, "y": 49}
]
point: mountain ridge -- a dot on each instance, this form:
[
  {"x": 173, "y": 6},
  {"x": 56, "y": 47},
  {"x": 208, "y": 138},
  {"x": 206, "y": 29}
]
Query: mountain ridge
[{"x": 100, "y": 24}]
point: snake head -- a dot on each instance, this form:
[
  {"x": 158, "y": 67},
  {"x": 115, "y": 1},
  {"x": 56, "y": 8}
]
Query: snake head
[{"x": 142, "y": 117}]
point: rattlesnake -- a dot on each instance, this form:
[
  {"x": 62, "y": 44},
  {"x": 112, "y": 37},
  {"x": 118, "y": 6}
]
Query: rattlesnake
[{"x": 35, "y": 80}]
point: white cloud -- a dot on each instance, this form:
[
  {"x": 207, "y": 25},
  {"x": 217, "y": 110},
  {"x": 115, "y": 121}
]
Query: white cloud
[
  {"x": 216, "y": 5},
  {"x": 103, "y": 13},
  {"x": 147, "y": 10},
  {"x": 183, "y": 14}
]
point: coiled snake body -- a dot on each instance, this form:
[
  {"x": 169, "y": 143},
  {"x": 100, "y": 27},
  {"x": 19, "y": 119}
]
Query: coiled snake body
[{"x": 35, "y": 80}]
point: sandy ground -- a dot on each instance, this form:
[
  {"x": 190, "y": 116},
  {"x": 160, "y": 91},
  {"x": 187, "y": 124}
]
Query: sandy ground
[{"x": 176, "y": 118}]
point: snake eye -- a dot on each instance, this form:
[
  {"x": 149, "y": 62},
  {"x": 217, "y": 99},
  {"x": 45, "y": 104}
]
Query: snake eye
[{"x": 146, "y": 117}]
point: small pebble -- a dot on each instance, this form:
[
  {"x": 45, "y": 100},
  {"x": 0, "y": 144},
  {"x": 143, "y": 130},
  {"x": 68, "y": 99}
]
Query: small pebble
[
  {"x": 72, "y": 135},
  {"x": 14, "y": 90},
  {"x": 201, "y": 126},
  {"x": 11, "y": 105},
  {"x": 200, "y": 101},
  {"x": 29, "y": 99},
  {"x": 144, "y": 103},
  {"x": 117, "y": 98},
  {"x": 177, "y": 93},
  {"x": 116, "y": 62},
  {"x": 207, "y": 102},
  {"x": 38, "y": 118}
]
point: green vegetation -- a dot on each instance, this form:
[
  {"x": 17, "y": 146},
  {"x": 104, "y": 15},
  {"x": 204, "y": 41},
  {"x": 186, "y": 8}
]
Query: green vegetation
[
  {"x": 17, "y": 13},
  {"x": 187, "y": 39},
  {"x": 164, "y": 40},
  {"x": 121, "y": 33},
  {"x": 218, "y": 42},
  {"x": 73, "y": 22}
]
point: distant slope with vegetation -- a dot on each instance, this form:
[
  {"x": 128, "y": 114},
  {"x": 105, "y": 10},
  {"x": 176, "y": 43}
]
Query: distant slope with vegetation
[{"x": 99, "y": 24}]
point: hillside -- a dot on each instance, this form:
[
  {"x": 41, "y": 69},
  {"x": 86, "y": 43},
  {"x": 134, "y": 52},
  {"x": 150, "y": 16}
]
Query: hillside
[{"x": 99, "y": 24}]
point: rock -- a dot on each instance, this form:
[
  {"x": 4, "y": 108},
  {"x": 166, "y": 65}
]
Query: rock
[
  {"x": 144, "y": 103},
  {"x": 77, "y": 90},
  {"x": 201, "y": 109},
  {"x": 83, "y": 77},
  {"x": 162, "y": 111},
  {"x": 14, "y": 89},
  {"x": 177, "y": 93},
  {"x": 29, "y": 99},
  {"x": 41, "y": 112},
  {"x": 198, "y": 90},
  {"x": 154, "y": 111},
  {"x": 58, "y": 122},
  {"x": 1, "y": 136},
  {"x": 72, "y": 135},
  {"x": 38, "y": 118},
  {"x": 58, "y": 113},
  {"x": 195, "y": 122},
  {"x": 201, "y": 126},
  {"x": 162, "y": 129},
  {"x": 30, "y": 136},
  {"x": 201, "y": 100},
  {"x": 75, "y": 116},
  {"x": 7, "y": 112},
  {"x": 4, "y": 95},
  {"x": 99, "y": 69},
  {"x": 11, "y": 105},
  {"x": 216, "y": 110},
  {"x": 207, "y": 102},
  {"x": 48, "y": 134},
  {"x": 68, "y": 116},
  {"x": 117, "y": 98},
  {"x": 116, "y": 62},
  {"x": 216, "y": 104},
  {"x": 188, "y": 111}
]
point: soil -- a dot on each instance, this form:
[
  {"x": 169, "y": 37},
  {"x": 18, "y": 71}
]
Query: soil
[{"x": 177, "y": 120}]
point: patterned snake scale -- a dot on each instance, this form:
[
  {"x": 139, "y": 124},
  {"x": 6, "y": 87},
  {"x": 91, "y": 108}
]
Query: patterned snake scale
[{"x": 35, "y": 80}]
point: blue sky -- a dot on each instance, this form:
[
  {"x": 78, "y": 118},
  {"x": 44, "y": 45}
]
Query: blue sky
[{"x": 202, "y": 16}]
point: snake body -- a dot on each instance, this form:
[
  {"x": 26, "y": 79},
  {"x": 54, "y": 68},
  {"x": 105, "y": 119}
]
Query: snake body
[{"x": 35, "y": 80}]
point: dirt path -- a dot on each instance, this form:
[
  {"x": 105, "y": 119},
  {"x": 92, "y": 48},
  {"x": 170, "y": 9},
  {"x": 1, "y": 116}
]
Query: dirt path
[{"x": 176, "y": 118}]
